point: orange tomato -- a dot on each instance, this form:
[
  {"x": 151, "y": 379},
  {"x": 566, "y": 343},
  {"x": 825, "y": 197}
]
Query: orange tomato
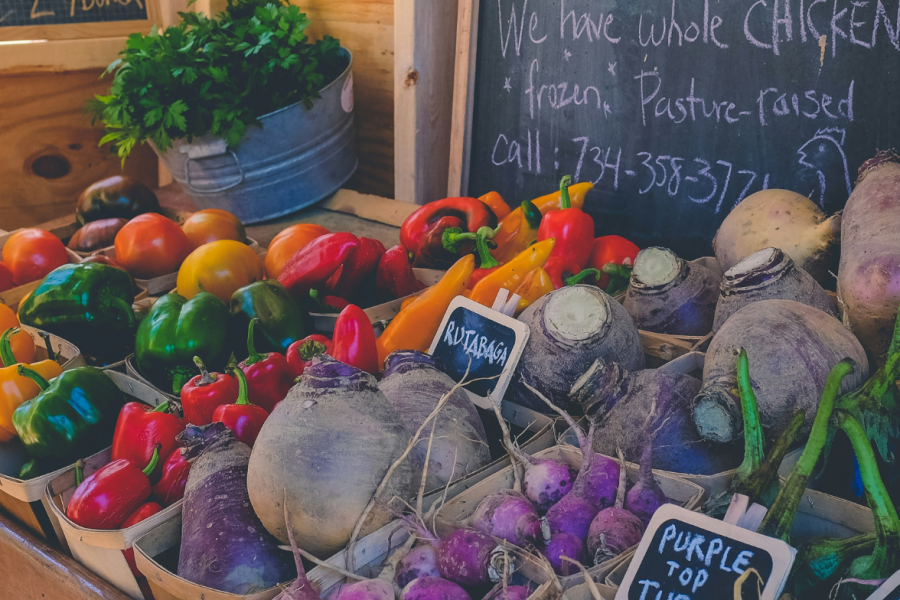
[
  {"x": 21, "y": 343},
  {"x": 32, "y": 253},
  {"x": 151, "y": 245},
  {"x": 211, "y": 225},
  {"x": 287, "y": 243},
  {"x": 220, "y": 268}
]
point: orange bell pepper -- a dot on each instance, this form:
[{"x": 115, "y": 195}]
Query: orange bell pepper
[
  {"x": 496, "y": 203},
  {"x": 415, "y": 326},
  {"x": 535, "y": 285},
  {"x": 511, "y": 275},
  {"x": 515, "y": 221},
  {"x": 221, "y": 268},
  {"x": 21, "y": 342},
  {"x": 14, "y": 388}
]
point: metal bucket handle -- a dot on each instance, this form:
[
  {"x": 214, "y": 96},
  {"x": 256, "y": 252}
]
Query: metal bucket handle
[{"x": 210, "y": 150}]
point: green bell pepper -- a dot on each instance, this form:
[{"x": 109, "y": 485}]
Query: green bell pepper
[
  {"x": 282, "y": 321},
  {"x": 74, "y": 415},
  {"x": 174, "y": 332},
  {"x": 88, "y": 305}
]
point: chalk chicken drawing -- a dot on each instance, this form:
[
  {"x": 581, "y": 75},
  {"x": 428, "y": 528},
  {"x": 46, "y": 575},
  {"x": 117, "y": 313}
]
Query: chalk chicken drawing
[{"x": 824, "y": 155}]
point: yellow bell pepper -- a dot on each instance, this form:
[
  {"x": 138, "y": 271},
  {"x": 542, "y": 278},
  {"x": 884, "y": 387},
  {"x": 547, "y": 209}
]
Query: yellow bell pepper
[
  {"x": 416, "y": 325},
  {"x": 513, "y": 223},
  {"x": 16, "y": 389},
  {"x": 221, "y": 268},
  {"x": 511, "y": 275},
  {"x": 535, "y": 285},
  {"x": 524, "y": 237}
]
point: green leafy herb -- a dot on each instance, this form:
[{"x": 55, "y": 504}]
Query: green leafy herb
[{"x": 214, "y": 76}]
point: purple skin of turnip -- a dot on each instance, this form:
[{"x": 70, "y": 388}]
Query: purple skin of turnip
[
  {"x": 546, "y": 481},
  {"x": 564, "y": 544},
  {"x": 433, "y": 588},
  {"x": 613, "y": 531},
  {"x": 469, "y": 557},
  {"x": 508, "y": 515},
  {"x": 301, "y": 588},
  {"x": 420, "y": 562},
  {"x": 645, "y": 497},
  {"x": 669, "y": 295},
  {"x": 512, "y": 592}
]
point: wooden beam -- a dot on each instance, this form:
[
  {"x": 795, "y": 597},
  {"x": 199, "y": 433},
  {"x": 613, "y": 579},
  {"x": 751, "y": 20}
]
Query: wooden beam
[
  {"x": 463, "y": 94},
  {"x": 424, "y": 45}
]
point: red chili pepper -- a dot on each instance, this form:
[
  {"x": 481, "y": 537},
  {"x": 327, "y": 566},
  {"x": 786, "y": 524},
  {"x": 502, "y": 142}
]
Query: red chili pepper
[
  {"x": 565, "y": 272},
  {"x": 610, "y": 251},
  {"x": 268, "y": 375},
  {"x": 422, "y": 231},
  {"x": 311, "y": 266},
  {"x": 147, "y": 510},
  {"x": 242, "y": 418},
  {"x": 355, "y": 278},
  {"x": 142, "y": 430},
  {"x": 572, "y": 228},
  {"x": 111, "y": 493},
  {"x": 170, "y": 488},
  {"x": 354, "y": 340},
  {"x": 201, "y": 395},
  {"x": 394, "y": 277},
  {"x": 301, "y": 352}
]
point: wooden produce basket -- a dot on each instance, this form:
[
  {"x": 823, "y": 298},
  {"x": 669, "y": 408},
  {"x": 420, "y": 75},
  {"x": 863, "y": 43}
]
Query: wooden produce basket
[
  {"x": 132, "y": 371},
  {"x": 26, "y": 500},
  {"x": 459, "y": 510},
  {"x": 67, "y": 355},
  {"x": 98, "y": 550}
]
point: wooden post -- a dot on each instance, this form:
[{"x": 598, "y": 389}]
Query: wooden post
[
  {"x": 424, "y": 47},
  {"x": 463, "y": 93}
]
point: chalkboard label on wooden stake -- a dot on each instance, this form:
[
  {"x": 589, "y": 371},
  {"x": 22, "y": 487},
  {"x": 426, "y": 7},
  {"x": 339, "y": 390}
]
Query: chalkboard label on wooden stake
[
  {"x": 686, "y": 555},
  {"x": 889, "y": 590},
  {"x": 484, "y": 341}
]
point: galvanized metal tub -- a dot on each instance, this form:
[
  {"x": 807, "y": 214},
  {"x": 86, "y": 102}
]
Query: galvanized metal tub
[{"x": 297, "y": 158}]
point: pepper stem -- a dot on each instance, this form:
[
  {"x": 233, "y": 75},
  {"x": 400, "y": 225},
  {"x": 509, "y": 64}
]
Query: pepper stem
[
  {"x": 46, "y": 337},
  {"x": 162, "y": 407},
  {"x": 484, "y": 253},
  {"x": 254, "y": 356},
  {"x": 454, "y": 237},
  {"x": 205, "y": 377},
  {"x": 79, "y": 472},
  {"x": 311, "y": 349},
  {"x": 120, "y": 305},
  {"x": 564, "y": 200},
  {"x": 7, "y": 358},
  {"x": 33, "y": 375},
  {"x": 243, "y": 390},
  {"x": 531, "y": 213},
  {"x": 154, "y": 460},
  {"x": 582, "y": 275}
]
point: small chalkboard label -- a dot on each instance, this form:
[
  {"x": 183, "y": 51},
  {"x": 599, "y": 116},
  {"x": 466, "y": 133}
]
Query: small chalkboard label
[
  {"x": 685, "y": 555},
  {"x": 889, "y": 590},
  {"x": 483, "y": 341}
]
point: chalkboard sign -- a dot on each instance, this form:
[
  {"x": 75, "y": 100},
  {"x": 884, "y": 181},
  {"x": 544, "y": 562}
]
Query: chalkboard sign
[
  {"x": 690, "y": 556},
  {"x": 483, "y": 341},
  {"x": 889, "y": 590},
  {"x": 72, "y": 19},
  {"x": 676, "y": 110}
]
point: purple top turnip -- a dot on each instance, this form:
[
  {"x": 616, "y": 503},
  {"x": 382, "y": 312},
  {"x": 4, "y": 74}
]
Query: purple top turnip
[
  {"x": 511, "y": 592},
  {"x": 469, "y": 557},
  {"x": 564, "y": 544},
  {"x": 570, "y": 328},
  {"x": 614, "y": 530},
  {"x": 669, "y": 295},
  {"x": 420, "y": 562},
  {"x": 433, "y": 588},
  {"x": 645, "y": 496},
  {"x": 302, "y": 588},
  {"x": 380, "y": 588},
  {"x": 414, "y": 384},
  {"x": 508, "y": 515},
  {"x": 768, "y": 274}
]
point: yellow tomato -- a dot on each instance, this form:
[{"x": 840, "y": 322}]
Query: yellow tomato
[{"x": 219, "y": 268}]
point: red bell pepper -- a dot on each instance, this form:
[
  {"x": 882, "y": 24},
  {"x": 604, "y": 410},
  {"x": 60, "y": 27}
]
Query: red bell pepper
[
  {"x": 201, "y": 395},
  {"x": 142, "y": 430},
  {"x": 326, "y": 304},
  {"x": 147, "y": 510},
  {"x": 301, "y": 352},
  {"x": 170, "y": 487},
  {"x": 394, "y": 277},
  {"x": 614, "y": 255},
  {"x": 355, "y": 278},
  {"x": 354, "y": 340},
  {"x": 422, "y": 232},
  {"x": 268, "y": 376},
  {"x": 111, "y": 493},
  {"x": 242, "y": 418},
  {"x": 572, "y": 228},
  {"x": 311, "y": 266},
  {"x": 565, "y": 272}
]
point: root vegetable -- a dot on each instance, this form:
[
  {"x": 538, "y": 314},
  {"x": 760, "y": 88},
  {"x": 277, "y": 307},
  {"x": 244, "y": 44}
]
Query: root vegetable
[
  {"x": 420, "y": 562},
  {"x": 414, "y": 384},
  {"x": 433, "y": 588},
  {"x": 780, "y": 219},
  {"x": 645, "y": 496},
  {"x": 791, "y": 348},
  {"x": 769, "y": 274},
  {"x": 302, "y": 588},
  {"x": 508, "y": 515},
  {"x": 614, "y": 530},
  {"x": 570, "y": 328},
  {"x": 869, "y": 274},
  {"x": 380, "y": 588},
  {"x": 510, "y": 592},
  {"x": 469, "y": 557},
  {"x": 564, "y": 544},
  {"x": 223, "y": 544},
  {"x": 328, "y": 444},
  {"x": 669, "y": 295}
]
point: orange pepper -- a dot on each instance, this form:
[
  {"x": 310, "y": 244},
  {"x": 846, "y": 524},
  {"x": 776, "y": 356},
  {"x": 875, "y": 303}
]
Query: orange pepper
[
  {"x": 511, "y": 275},
  {"x": 14, "y": 388},
  {"x": 535, "y": 285},
  {"x": 515, "y": 220},
  {"x": 496, "y": 203},
  {"x": 415, "y": 326},
  {"x": 21, "y": 342}
]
